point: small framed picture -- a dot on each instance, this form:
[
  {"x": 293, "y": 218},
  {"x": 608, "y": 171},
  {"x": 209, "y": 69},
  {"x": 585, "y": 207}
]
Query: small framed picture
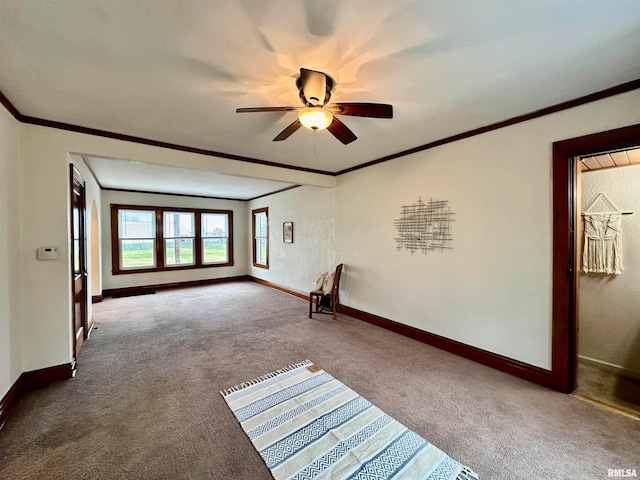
[{"x": 287, "y": 232}]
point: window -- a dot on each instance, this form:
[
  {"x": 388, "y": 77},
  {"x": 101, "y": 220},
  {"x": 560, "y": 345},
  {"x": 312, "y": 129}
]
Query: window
[
  {"x": 147, "y": 239},
  {"x": 260, "y": 225},
  {"x": 136, "y": 236},
  {"x": 215, "y": 237},
  {"x": 179, "y": 234}
]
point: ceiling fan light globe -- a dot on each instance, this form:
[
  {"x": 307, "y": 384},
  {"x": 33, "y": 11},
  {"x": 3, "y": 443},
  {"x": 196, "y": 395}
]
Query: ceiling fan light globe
[{"x": 315, "y": 118}]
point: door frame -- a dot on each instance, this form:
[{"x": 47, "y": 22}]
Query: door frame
[
  {"x": 564, "y": 348},
  {"x": 76, "y": 179}
]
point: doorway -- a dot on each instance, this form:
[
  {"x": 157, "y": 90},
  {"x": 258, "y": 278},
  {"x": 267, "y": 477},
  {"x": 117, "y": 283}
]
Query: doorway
[
  {"x": 566, "y": 228},
  {"x": 78, "y": 261},
  {"x": 608, "y": 365}
]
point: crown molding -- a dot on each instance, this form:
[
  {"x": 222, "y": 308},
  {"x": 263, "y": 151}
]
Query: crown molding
[
  {"x": 10, "y": 107},
  {"x": 274, "y": 192},
  {"x": 150, "y": 192},
  {"x": 608, "y": 92}
]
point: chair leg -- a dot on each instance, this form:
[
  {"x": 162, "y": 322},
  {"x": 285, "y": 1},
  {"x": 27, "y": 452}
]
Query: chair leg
[
  {"x": 310, "y": 303},
  {"x": 334, "y": 306}
]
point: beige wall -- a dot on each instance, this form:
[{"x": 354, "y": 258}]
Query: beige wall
[
  {"x": 493, "y": 290},
  {"x": 297, "y": 264},
  {"x": 10, "y": 326},
  {"x": 130, "y": 198},
  {"x": 609, "y": 321}
]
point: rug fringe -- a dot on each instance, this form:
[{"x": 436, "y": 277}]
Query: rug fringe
[
  {"x": 467, "y": 474},
  {"x": 266, "y": 376}
]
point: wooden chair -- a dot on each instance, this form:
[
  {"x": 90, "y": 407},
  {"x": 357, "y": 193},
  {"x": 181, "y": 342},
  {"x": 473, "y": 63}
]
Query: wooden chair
[{"x": 332, "y": 296}]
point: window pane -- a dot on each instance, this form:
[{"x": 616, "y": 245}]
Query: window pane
[
  {"x": 261, "y": 224},
  {"x": 76, "y": 224},
  {"x": 136, "y": 224},
  {"x": 261, "y": 251},
  {"x": 179, "y": 251},
  {"x": 215, "y": 237},
  {"x": 214, "y": 250},
  {"x": 137, "y": 253},
  {"x": 215, "y": 225},
  {"x": 178, "y": 224},
  {"x": 76, "y": 256}
]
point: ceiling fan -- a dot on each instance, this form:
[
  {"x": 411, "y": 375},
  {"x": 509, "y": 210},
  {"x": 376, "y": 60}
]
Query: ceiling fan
[{"x": 315, "y": 91}]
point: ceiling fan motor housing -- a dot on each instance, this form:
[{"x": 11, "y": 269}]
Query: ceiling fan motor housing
[{"x": 315, "y": 87}]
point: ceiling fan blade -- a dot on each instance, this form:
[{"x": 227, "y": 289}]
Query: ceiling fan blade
[
  {"x": 375, "y": 110},
  {"x": 286, "y": 133},
  {"x": 266, "y": 109},
  {"x": 341, "y": 131}
]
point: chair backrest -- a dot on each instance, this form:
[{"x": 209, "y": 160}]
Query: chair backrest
[{"x": 336, "y": 277}]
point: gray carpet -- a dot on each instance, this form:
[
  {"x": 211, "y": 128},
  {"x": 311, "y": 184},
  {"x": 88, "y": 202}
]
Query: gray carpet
[{"x": 145, "y": 402}]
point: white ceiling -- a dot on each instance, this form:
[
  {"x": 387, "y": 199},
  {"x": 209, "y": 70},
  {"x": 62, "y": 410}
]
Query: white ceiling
[
  {"x": 149, "y": 177},
  {"x": 175, "y": 71}
]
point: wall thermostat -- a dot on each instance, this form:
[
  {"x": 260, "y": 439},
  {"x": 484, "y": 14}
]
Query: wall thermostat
[{"x": 47, "y": 253}]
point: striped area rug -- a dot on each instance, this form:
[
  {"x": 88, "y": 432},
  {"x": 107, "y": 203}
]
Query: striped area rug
[{"x": 306, "y": 424}]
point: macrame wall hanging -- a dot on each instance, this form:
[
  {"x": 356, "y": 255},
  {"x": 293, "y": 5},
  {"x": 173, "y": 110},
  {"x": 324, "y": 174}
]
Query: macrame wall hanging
[
  {"x": 424, "y": 226},
  {"x": 602, "y": 243}
]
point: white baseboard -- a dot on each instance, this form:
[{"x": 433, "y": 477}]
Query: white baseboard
[{"x": 609, "y": 367}]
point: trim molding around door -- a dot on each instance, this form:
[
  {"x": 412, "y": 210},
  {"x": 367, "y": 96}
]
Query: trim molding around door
[
  {"x": 78, "y": 232},
  {"x": 565, "y": 217}
]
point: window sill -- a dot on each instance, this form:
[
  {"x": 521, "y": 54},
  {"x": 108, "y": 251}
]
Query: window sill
[{"x": 168, "y": 269}]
